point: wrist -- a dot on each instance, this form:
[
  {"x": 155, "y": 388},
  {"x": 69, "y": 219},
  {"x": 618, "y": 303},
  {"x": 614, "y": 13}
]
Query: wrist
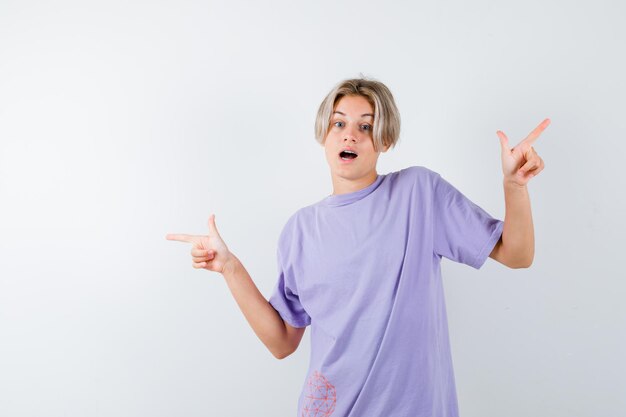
[
  {"x": 230, "y": 265},
  {"x": 510, "y": 183}
]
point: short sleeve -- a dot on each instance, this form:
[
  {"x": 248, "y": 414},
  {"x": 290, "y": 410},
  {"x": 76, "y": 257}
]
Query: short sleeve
[
  {"x": 462, "y": 231},
  {"x": 285, "y": 297}
]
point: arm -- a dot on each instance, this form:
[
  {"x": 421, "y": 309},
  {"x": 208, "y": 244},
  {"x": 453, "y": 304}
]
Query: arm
[
  {"x": 279, "y": 337},
  {"x": 211, "y": 253},
  {"x": 516, "y": 247}
]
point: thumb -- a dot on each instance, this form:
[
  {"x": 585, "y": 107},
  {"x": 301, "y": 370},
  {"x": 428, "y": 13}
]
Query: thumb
[
  {"x": 504, "y": 141},
  {"x": 212, "y": 227}
]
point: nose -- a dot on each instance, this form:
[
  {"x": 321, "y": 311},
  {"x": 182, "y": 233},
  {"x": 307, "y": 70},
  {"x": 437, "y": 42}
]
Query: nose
[{"x": 350, "y": 134}]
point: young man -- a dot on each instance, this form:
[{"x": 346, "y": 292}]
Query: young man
[{"x": 362, "y": 265}]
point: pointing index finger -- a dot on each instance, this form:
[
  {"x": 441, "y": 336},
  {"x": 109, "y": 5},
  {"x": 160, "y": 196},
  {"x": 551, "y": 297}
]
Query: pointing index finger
[
  {"x": 532, "y": 137},
  {"x": 180, "y": 237}
]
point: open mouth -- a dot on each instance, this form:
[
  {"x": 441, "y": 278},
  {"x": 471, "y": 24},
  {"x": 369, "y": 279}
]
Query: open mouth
[{"x": 347, "y": 155}]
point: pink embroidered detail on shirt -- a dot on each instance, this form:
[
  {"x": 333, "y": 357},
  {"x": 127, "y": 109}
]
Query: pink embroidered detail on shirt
[{"x": 321, "y": 397}]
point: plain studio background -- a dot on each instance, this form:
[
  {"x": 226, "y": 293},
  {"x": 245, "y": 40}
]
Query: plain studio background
[{"x": 123, "y": 121}]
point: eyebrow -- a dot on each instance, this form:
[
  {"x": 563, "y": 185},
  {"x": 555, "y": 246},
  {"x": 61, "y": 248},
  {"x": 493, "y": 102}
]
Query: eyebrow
[{"x": 363, "y": 115}]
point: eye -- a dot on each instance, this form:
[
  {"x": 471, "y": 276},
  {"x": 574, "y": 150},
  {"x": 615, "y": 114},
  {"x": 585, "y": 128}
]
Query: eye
[
  {"x": 336, "y": 124},
  {"x": 366, "y": 127}
]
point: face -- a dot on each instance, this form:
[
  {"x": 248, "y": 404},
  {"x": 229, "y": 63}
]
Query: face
[{"x": 351, "y": 126}]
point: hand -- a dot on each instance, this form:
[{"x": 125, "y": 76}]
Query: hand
[
  {"x": 208, "y": 252},
  {"x": 521, "y": 163}
]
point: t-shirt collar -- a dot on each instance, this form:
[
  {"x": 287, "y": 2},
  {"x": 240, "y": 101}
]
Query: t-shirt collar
[{"x": 347, "y": 198}]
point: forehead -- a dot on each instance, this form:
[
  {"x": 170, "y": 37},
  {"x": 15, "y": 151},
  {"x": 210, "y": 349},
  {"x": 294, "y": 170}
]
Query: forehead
[{"x": 354, "y": 106}]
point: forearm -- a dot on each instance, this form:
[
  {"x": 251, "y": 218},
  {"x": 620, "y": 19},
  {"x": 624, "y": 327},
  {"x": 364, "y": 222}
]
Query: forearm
[
  {"x": 262, "y": 317},
  {"x": 518, "y": 237}
]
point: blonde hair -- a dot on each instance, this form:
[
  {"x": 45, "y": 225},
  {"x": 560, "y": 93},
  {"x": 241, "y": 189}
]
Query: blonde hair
[{"x": 386, "y": 128}]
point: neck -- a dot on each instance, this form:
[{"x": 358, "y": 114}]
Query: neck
[{"x": 343, "y": 185}]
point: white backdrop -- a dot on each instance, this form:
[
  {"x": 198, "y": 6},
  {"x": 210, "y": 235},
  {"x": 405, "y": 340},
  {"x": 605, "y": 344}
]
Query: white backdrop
[{"x": 121, "y": 121}]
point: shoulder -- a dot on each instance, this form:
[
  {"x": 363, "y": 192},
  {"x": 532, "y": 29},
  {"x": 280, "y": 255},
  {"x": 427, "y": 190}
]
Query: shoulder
[
  {"x": 418, "y": 171},
  {"x": 418, "y": 176},
  {"x": 289, "y": 226},
  {"x": 293, "y": 226}
]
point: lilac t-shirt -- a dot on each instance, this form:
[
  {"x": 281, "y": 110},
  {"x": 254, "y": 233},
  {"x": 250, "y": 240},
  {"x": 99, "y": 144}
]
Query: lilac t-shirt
[{"x": 363, "y": 269}]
